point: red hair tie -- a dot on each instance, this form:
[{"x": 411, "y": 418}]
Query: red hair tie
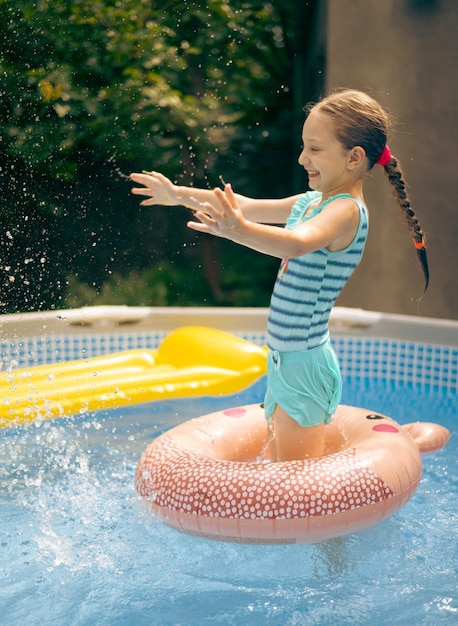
[
  {"x": 384, "y": 158},
  {"x": 419, "y": 244}
]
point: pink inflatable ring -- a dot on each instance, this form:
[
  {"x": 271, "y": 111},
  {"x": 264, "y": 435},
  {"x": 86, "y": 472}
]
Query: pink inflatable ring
[{"x": 206, "y": 476}]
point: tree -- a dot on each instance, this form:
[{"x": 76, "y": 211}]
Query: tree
[{"x": 95, "y": 89}]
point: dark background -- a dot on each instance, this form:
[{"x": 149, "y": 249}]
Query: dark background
[
  {"x": 94, "y": 89},
  {"x": 91, "y": 91}
]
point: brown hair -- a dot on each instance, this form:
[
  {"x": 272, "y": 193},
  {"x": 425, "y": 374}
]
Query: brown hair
[{"x": 359, "y": 120}]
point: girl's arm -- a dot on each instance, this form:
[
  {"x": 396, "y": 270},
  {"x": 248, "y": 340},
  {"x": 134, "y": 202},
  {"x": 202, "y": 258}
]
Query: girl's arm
[
  {"x": 334, "y": 228},
  {"x": 273, "y": 211},
  {"x": 158, "y": 189}
]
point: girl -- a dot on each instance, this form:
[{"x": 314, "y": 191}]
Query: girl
[{"x": 343, "y": 137}]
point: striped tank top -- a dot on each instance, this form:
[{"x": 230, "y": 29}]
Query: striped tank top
[{"x": 307, "y": 286}]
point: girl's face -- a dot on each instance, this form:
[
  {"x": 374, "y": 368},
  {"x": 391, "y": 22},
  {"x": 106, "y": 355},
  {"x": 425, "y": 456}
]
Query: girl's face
[{"x": 323, "y": 156}]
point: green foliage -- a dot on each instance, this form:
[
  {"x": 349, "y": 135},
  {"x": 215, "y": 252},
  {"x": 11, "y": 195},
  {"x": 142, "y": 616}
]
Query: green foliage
[
  {"x": 164, "y": 285},
  {"x": 94, "y": 89}
]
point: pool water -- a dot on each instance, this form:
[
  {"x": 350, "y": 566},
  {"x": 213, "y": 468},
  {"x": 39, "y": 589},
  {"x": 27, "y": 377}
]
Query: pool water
[{"x": 77, "y": 548}]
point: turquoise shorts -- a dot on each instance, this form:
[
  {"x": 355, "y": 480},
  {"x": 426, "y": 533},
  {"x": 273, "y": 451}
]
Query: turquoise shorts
[{"x": 307, "y": 384}]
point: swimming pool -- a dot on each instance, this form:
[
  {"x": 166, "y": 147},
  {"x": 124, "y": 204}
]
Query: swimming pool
[{"x": 77, "y": 547}]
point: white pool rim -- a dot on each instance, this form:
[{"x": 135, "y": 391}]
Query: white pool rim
[
  {"x": 117, "y": 319},
  {"x": 396, "y": 348}
]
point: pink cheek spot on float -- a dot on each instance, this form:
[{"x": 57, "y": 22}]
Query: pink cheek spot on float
[
  {"x": 385, "y": 428},
  {"x": 236, "y": 412}
]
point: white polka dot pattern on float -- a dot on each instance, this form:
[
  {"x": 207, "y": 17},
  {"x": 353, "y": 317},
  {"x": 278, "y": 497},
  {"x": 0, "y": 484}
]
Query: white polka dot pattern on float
[{"x": 181, "y": 480}]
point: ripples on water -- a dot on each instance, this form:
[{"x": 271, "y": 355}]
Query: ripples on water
[{"x": 77, "y": 548}]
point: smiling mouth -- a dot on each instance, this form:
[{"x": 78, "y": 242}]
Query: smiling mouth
[{"x": 312, "y": 173}]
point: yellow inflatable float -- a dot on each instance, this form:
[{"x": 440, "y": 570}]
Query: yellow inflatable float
[{"x": 191, "y": 361}]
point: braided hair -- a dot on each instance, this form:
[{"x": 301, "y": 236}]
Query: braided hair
[
  {"x": 359, "y": 120},
  {"x": 395, "y": 176}
]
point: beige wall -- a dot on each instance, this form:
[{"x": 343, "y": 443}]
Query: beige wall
[{"x": 404, "y": 52}]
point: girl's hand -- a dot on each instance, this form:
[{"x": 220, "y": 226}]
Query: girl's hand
[
  {"x": 157, "y": 188},
  {"x": 223, "y": 218}
]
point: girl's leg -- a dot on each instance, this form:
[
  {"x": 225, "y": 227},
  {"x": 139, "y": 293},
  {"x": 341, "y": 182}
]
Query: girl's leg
[{"x": 292, "y": 441}]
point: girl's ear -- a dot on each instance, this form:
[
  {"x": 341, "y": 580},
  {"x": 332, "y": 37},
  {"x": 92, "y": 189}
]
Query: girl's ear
[{"x": 356, "y": 157}]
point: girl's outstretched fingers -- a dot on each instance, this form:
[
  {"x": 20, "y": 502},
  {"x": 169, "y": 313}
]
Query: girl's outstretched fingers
[
  {"x": 157, "y": 188},
  {"x": 230, "y": 194}
]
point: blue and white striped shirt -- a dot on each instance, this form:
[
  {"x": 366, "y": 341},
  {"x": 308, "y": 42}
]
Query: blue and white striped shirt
[{"x": 307, "y": 286}]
